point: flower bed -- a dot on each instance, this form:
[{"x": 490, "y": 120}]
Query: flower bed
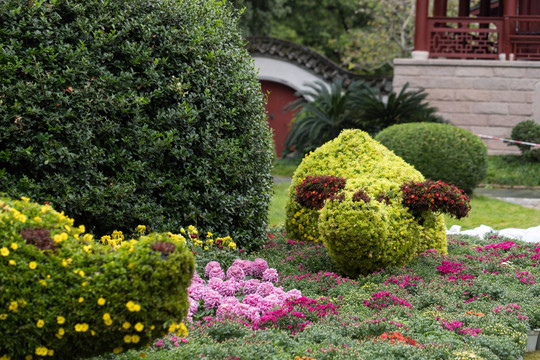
[{"x": 476, "y": 302}]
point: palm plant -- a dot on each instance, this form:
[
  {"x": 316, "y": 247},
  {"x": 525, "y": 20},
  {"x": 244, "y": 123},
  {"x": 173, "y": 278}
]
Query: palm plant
[
  {"x": 322, "y": 114},
  {"x": 377, "y": 113}
]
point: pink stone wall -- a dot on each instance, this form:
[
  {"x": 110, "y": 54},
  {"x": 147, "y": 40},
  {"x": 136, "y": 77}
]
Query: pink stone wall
[{"x": 484, "y": 96}]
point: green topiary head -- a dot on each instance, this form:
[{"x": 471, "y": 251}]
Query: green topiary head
[
  {"x": 134, "y": 112},
  {"x": 65, "y": 296},
  {"x": 366, "y": 226},
  {"x": 439, "y": 151}
]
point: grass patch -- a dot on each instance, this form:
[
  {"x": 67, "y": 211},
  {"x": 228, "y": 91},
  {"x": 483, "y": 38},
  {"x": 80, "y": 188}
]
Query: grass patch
[
  {"x": 532, "y": 356},
  {"x": 276, "y": 211},
  {"x": 285, "y": 167},
  {"x": 512, "y": 170},
  {"x": 497, "y": 214}
]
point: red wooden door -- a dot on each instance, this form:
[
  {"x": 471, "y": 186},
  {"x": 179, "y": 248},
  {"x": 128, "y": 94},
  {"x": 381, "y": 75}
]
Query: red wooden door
[{"x": 279, "y": 119}]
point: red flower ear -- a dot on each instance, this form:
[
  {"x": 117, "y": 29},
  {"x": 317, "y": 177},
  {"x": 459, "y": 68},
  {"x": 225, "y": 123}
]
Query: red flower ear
[{"x": 314, "y": 190}]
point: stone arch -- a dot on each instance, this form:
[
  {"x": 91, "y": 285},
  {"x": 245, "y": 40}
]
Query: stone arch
[{"x": 283, "y": 65}]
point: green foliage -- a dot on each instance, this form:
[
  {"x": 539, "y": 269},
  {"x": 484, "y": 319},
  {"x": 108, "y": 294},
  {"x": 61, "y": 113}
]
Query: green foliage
[
  {"x": 512, "y": 170},
  {"x": 77, "y": 298},
  {"x": 497, "y": 213},
  {"x": 257, "y": 15},
  {"x": 528, "y": 131},
  {"x": 439, "y": 151},
  {"x": 324, "y": 25},
  {"x": 376, "y": 113},
  {"x": 141, "y": 112},
  {"x": 363, "y": 237},
  {"x": 322, "y": 114},
  {"x": 389, "y": 35}
]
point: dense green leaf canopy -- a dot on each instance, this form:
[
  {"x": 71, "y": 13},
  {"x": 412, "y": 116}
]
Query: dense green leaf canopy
[{"x": 134, "y": 112}]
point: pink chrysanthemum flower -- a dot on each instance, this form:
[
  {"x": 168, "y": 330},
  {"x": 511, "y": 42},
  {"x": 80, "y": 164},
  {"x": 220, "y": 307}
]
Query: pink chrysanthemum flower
[
  {"x": 258, "y": 267},
  {"x": 236, "y": 272},
  {"x": 270, "y": 275},
  {"x": 251, "y": 286},
  {"x": 211, "y": 265},
  {"x": 265, "y": 289},
  {"x": 211, "y": 299}
]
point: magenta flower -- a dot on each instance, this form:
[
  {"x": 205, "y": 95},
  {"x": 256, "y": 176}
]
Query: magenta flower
[
  {"x": 236, "y": 272},
  {"x": 252, "y": 299},
  {"x": 196, "y": 291},
  {"x": 258, "y": 267},
  {"x": 227, "y": 288},
  {"x": 245, "y": 265},
  {"x": 215, "y": 283},
  {"x": 211, "y": 299},
  {"x": 216, "y": 272},
  {"x": 270, "y": 275},
  {"x": 251, "y": 286},
  {"x": 265, "y": 289},
  {"x": 211, "y": 265},
  {"x": 293, "y": 294}
]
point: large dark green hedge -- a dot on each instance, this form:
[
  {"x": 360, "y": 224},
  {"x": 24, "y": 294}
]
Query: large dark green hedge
[
  {"x": 439, "y": 151},
  {"x": 134, "y": 112}
]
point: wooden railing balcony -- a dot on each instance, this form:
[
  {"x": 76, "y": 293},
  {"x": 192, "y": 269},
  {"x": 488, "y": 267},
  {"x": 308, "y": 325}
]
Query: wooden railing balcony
[{"x": 484, "y": 38}]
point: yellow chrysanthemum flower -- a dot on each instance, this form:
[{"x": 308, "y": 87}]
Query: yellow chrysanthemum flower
[
  {"x": 13, "y": 306},
  {"x": 41, "y": 351},
  {"x": 12, "y": 262},
  {"x": 3, "y": 316},
  {"x": 32, "y": 265},
  {"x": 132, "y": 306},
  {"x": 101, "y": 301},
  {"x": 139, "y": 327},
  {"x": 14, "y": 246},
  {"x": 81, "y": 327},
  {"x": 127, "y": 339},
  {"x": 118, "y": 350},
  {"x": 40, "y": 323},
  {"x": 126, "y": 325},
  {"x": 4, "y": 251},
  {"x": 81, "y": 299},
  {"x": 141, "y": 229}
]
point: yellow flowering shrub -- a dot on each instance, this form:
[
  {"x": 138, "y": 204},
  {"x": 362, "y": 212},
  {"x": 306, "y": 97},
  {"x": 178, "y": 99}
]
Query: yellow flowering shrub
[
  {"x": 362, "y": 237},
  {"x": 65, "y": 295}
]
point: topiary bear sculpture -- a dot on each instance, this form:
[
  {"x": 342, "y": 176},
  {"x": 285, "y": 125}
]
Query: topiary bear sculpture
[
  {"x": 374, "y": 209},
  {"x": 65, "y": 296}
]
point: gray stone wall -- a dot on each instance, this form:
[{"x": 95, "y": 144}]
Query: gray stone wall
[{"x": 484, "y": 96}]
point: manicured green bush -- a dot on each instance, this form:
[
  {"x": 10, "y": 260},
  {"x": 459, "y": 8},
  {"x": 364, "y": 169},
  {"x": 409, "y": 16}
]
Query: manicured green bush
[
  {"x": 65, "y": 296},
  {"x": 134, "y": 112},
  {"x": 366, "y": 230},
  {"x": 528, "y": 131},
  {"x": 439, "y": 151}
]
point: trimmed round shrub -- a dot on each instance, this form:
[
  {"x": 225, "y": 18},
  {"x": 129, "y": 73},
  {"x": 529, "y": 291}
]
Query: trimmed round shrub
[
  {"x": 528, "y": 131},
  {"x": 65, "y": 296},
  {"x": 439, "y": 151},
  {"x": 366, "y": 226},
  {"x": 134, "y": 112}
]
